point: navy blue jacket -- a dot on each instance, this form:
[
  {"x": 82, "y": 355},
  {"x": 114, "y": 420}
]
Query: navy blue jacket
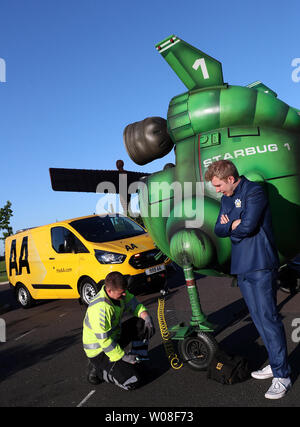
[{"x": 252, "y": 242}]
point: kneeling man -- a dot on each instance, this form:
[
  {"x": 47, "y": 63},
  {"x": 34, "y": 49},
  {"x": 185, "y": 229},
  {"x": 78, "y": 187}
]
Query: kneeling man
[{"x": 105, "y": 337}]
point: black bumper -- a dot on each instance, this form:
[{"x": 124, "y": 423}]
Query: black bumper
[{"x": 143, "y": 282}]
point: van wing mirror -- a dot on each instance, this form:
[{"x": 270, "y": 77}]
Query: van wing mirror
[{"x": 69, "y": 244}]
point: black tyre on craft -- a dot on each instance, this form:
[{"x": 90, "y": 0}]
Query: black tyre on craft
[
  {"x": 198, "y": 350},
  {"x": 23, "y": 297},
  {"x": 88, "y": 289}
]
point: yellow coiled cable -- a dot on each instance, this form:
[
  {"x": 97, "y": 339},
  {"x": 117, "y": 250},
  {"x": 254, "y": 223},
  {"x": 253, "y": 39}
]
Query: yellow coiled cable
[{"x": 165, "y": 334}]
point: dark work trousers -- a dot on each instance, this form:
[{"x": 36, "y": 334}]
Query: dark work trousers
[
  {"x": 259, "y": 291},
  {"x": 123, "y": 374}
]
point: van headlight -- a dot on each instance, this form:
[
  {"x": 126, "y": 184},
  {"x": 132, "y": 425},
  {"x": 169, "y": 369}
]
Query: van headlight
[{"x": 109, "y": 257}]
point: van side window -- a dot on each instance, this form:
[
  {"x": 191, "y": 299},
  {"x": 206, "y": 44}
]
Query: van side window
[{"x": 64, "y": 241}]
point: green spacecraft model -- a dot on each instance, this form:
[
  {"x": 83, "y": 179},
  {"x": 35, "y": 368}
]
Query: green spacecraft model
[{"x": 212, "y": 120}]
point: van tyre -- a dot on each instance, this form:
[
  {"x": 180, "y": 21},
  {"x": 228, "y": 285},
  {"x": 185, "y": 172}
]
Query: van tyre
[
  {"x": 88, "y": 289},
  {"x": 23, "y": 297},
  {"x": 198, "y": 350}
]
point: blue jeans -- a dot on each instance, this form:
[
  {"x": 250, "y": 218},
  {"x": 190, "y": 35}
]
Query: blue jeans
[{"x": 259, "y": 291}]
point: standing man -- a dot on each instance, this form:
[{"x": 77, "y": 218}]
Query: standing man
[
  {"x": 104, "y": 337},
  {"x": 245, "y": 217}
]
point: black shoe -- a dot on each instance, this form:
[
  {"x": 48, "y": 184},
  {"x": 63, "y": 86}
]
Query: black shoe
[{"x": 92, "y": 376}]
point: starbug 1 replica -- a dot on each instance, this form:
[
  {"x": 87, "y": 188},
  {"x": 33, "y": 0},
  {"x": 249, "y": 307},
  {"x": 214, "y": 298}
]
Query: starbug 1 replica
[{"x": 212, "y": 120}]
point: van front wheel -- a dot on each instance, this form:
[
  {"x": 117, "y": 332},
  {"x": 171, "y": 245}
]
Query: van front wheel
[
  {"x": 23, "y": 297},
  {"x": 88, "y": 290}
]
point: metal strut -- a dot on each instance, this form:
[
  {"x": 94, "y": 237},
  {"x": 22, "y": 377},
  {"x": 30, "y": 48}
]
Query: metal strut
[{"x": 198, "y": 319}]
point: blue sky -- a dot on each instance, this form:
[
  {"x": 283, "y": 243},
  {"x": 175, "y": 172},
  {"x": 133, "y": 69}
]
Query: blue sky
[{"x": 79, "y": 71}]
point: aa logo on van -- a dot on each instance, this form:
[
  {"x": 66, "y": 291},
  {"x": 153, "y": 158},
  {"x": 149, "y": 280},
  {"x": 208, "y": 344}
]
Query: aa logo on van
[
  {"x": 23, "y": 258},
  {"x": 130, "y": 247}
]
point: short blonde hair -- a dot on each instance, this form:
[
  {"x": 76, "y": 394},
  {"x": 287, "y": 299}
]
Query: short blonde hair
[
  {"x": 222, "y": 169},
  {"x": 115, "y": 280}
]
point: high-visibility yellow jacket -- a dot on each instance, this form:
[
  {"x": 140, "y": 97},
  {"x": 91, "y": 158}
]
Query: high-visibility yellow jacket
[{"x": 102, "y": 324}]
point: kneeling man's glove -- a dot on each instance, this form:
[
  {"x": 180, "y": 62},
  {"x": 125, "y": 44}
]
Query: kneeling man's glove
[
  {"x": 129, "y": 358},
  {"x": 149, "y": 329}
]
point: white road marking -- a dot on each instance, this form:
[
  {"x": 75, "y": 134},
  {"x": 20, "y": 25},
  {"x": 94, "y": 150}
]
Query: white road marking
[
  {"x": 86, "y": 398},
  {"x": 26, "y": 333}
]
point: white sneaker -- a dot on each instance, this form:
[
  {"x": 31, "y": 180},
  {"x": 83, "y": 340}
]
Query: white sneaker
[
  {"x": 262, "y": 374},
  {"x": 279, "y": 388}
]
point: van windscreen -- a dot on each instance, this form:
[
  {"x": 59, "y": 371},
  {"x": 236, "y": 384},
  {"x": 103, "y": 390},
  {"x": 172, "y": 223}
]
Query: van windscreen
[{"x": 107, "y": 228}]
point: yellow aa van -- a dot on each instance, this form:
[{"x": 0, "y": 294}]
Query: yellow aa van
[{"x": 70, "y": 259}]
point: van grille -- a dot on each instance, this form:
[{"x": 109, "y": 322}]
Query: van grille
[{"x": 146, "y": 259}]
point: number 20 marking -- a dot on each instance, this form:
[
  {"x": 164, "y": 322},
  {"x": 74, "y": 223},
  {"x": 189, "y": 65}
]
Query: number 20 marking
[{"x": 201, "y": 63}]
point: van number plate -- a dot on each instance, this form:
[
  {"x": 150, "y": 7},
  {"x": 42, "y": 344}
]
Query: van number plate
[{"x": 155, "y": 269}]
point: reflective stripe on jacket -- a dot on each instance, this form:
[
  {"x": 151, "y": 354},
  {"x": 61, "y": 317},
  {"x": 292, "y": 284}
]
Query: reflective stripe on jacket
[{"x": 102, "y": 324}]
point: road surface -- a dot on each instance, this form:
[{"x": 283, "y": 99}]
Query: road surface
[{"x": 43, "y": 363}]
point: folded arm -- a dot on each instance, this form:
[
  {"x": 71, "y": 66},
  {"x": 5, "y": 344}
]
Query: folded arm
[
  {"x": 228, "y": 225},
  {"x": 251, "y": 217}
]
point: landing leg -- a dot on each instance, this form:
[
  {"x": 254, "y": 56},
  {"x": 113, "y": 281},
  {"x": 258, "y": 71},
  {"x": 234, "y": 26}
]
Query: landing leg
[
  {"x": 198, "y": 346},
  {"x": 198, "y": 318}
]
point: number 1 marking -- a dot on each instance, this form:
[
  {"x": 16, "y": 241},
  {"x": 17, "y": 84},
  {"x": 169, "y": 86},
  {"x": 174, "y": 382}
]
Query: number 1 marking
[{"x": 201, "y": 63}]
